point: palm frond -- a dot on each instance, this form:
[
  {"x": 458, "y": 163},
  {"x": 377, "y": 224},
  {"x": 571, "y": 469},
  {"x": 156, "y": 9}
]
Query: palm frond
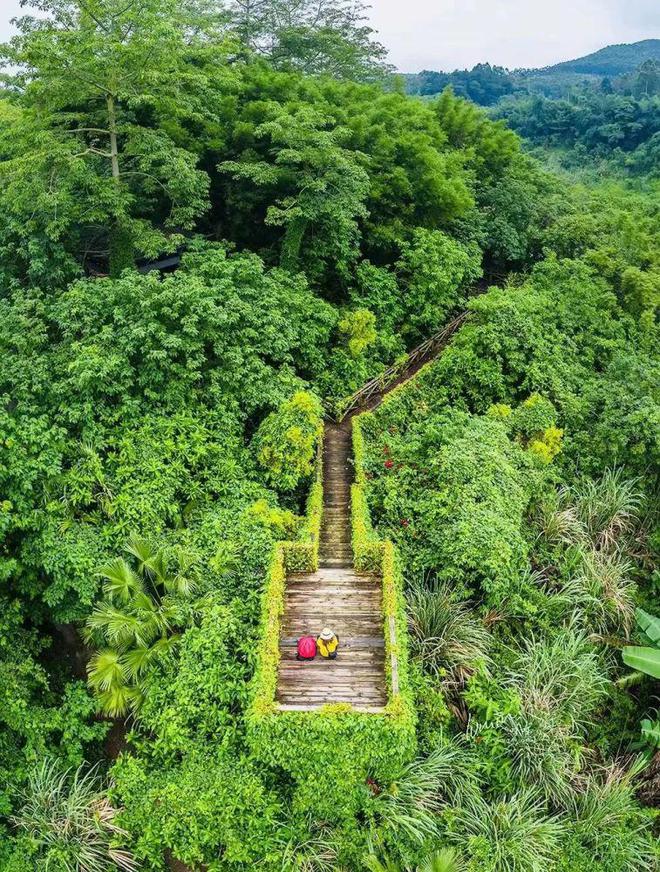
[
  {"x": 150, "y": 561},
  {"x": 116, "y": 626},
  {"x": 121, "y": 582},
  {"x": 107, "y": 669},
  {"x": 118, "y": 701},
  {"x": 446, "y": 860}
]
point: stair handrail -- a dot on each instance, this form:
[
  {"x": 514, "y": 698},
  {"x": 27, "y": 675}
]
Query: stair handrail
[{"x": 380, "y": 383}]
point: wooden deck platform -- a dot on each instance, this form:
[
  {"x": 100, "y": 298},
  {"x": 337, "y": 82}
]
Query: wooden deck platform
[{"x": 351, "y": 605}]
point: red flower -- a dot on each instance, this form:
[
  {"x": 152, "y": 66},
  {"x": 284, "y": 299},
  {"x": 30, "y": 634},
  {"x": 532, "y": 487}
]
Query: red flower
[
  {"x": 405, "y": 522},
  {"x": 389, "y": 464}
]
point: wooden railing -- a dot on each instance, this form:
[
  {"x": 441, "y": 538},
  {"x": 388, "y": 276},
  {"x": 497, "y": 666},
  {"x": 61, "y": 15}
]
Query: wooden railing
[{"x": 380, "y": 384}]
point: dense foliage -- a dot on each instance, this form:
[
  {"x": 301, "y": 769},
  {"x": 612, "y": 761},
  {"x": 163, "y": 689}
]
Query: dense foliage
[
  {"x": 515, "y": 554},
  {"x": 159, "y": 438},
  {"x": 595, "y": 124}
]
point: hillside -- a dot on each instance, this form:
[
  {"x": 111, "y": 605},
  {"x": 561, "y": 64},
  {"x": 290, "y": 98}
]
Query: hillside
[
  {"x": 613, "y": 60},
  {"x": 486, "y": 84},
  {"x": 328, "y": 456}
]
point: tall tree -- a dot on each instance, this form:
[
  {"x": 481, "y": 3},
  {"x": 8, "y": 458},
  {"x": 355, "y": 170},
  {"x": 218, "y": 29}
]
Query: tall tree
[
  {"x": 104, "y": 89},
  {"x": 315, "y": 36},
  {"x": 319, "y": 187}
]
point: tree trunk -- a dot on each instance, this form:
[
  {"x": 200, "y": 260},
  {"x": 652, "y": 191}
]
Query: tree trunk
[
  {"x": 122, "y": 254},
  {"x": 112, "y": 125}
]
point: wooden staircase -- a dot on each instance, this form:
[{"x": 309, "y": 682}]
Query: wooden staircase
[
  {"x": 337, "y": 597},
  {"x": 335, "y": 545}
]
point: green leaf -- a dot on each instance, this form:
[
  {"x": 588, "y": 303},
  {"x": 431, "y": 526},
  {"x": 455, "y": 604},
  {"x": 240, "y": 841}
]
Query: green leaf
[
  {"x": 651, "y": 731},
  {"x": 106, "y": 670},
  {"x": 117, "y": 701},
  {"x": 646, "y": 660},
  {"x": 121, "y": 582},
  {"x": 650, "y": 625},
  {"x": 150, "y": 561}
]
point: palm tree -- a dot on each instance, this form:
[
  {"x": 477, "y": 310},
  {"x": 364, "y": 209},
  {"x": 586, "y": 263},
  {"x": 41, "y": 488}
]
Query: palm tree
[
  {"x": 70, "y": 822},
  {"x": 134, "y": 626},
  {"x": 445, "y": 860}
]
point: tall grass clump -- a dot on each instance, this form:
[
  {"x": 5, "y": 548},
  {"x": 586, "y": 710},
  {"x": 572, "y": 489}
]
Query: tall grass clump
[
  {"x": 511, "y": 834},
  {"x": 410, "y": 806},
  {"x": 447, "y": 639},
  {"x": 609, "y": 822},
  {"x": 70, "y": 821},
  {"x": 594, "y": 521}
]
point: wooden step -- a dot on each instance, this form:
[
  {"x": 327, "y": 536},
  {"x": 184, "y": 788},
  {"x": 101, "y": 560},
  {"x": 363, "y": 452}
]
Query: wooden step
[
  {"x": 336, "y": 576},
  {"x": 288, "y": 644},
  {"x": 290, "y": 703}
]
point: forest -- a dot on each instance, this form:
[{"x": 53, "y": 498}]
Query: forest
[
  {"x": 599, "y": 114},
  {"x": 217, "y": 222}
]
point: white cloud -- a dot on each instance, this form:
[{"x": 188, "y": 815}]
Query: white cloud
[{"x": 446, "y": 34}]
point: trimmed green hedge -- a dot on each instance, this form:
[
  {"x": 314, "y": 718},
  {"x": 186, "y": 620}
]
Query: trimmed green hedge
[
  {"x": 303, "y": 554},
  {"x": 371, "y": 554},
  {"x": 367, "y": 547},
  {"x": 299, "y": 556},
  {"x": 333, "y": 752},
  {"x": 265, "y": 676}
]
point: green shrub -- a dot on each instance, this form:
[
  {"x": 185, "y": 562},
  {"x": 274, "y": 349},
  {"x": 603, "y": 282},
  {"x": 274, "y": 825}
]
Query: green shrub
[
  {"x": 285, "y": 442},
  {"x": 210, "y": 808}
]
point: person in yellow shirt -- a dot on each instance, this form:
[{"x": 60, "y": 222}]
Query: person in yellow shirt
[{"x": 327, "y": 643}]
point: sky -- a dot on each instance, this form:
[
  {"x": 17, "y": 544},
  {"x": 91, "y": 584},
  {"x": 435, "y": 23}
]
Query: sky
[{"x": 451, "y": 34}]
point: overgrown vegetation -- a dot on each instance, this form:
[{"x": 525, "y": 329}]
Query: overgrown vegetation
[{"x": 159, "y": 457}]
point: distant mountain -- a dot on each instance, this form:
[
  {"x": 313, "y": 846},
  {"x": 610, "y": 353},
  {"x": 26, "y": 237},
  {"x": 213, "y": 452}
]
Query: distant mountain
[
  {"x": 613, "y": 60},
  {"x": 486, "y": 85}
]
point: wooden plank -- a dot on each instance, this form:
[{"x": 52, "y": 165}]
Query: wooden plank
[
  {"x": 337, "y": 596},
  {"x": 351, "y": 642},
  {"x": 302, "y": 707}
]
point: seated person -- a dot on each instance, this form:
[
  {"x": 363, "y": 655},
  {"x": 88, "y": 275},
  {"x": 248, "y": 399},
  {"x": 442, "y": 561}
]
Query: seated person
[{"x": 327, "y": 643}]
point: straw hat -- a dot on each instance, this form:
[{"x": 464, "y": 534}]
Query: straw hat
[{"x": 326, "y": 634}]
